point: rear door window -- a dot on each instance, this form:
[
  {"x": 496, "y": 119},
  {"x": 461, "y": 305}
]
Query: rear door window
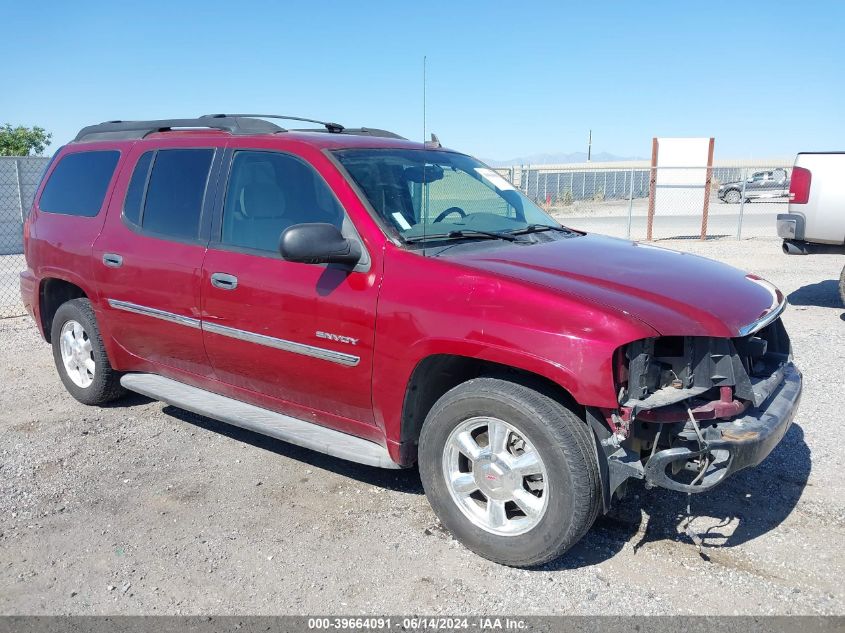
[
  {"x": 137, "y": 188},
  {"x": 175, "y": 192},
  {"x": 79, "y": 183}
]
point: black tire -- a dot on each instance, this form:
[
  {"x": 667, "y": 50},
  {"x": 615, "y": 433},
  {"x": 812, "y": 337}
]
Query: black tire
[
  {"x": 564, "y": 443},
  {"x": 842, "y": 286},
  {"x": 105, "y": 385},
  {"x": 732, "y": 196}
]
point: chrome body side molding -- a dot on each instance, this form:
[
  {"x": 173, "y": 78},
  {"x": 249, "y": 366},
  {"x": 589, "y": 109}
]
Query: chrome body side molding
[
  {"x": 348, "y": 360},
  {"x": 279, "y": 343},
  {"x": 128, "y": 306}
]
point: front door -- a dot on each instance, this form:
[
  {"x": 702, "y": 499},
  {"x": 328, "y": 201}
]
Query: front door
[{"x": 299, "y": 335}]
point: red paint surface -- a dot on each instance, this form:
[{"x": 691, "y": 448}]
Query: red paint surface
[{"x": 559, "y": 309}]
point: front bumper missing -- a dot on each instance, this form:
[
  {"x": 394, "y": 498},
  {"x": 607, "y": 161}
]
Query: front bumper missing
[{"x": 729, "y": 446}]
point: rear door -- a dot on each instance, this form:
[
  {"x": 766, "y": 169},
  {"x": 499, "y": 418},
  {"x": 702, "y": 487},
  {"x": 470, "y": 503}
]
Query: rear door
[
  {"x": 298, "y": 337},
  {"x": 148, "y": 258}
]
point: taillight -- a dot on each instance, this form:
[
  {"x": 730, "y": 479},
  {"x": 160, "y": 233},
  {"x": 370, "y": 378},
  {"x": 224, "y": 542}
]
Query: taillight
[{"x": 799, "y": 186}]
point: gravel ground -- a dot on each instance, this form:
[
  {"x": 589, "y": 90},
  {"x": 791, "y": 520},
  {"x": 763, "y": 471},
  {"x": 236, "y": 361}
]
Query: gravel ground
[{"x": 141, "y": 508}]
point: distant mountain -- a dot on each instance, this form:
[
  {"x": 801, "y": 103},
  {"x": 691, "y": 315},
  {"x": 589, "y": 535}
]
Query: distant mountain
[{"x": 558, "y": 158}]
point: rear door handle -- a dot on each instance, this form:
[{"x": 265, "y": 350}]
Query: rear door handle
[
  {"x": 112, "y": 260},
  {"x": 224, "y": 281}
]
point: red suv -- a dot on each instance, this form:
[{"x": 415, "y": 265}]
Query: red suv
[{"x": 392, "y": 303}]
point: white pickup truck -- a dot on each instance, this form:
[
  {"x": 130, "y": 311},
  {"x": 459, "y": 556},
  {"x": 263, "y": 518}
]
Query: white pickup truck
[{"x": 815, "y": 222}]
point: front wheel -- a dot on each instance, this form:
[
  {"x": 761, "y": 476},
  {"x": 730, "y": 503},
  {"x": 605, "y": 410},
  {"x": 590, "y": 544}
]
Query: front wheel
[
  {"x": 509, "y": 471},
  {"x": 80, "y": 356}
]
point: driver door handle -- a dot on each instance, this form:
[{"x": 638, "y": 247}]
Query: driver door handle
[{"x": 224, "y": 281}]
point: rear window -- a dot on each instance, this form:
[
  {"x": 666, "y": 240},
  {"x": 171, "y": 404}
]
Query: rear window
[
  {"x": 78, "y": 184},
  {"x": 166, "y": 192}
]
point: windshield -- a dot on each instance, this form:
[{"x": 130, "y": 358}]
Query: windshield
[{"x": 422, "y": 193}]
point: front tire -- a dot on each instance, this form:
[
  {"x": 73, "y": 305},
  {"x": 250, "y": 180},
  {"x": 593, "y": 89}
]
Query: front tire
[
  {"x": 80, "y": 357},
  {"x": 509, "y": 471}
]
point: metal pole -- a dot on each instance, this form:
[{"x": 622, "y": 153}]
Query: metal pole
[
  {"x": 741, "y": 204},
  {"x": 20, "y": 189},
  {"x": 707, "y": 182},
  {"x": 652, "y": 189},
  {"x": 630, "y": 205}
]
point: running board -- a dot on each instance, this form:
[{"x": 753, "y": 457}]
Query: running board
[{"x": 263, "y": 421}]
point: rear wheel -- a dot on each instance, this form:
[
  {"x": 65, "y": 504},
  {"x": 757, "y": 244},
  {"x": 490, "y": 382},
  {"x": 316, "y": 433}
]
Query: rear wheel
[
  {"x": 733, "y": 197},
  {"x": 80, "y": 356},
  {"x": 842, "y": 285},
  {"x": 511, "y": 472}
]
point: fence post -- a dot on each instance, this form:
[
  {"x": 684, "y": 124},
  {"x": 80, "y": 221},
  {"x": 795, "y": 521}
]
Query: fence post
[
  {"x": 20, "y": 189},
  {"x": 707, "y": 181},
  {"x": 545, "y": 188},
  {"x": 652, "y": 188},
  {"x": 630, "y": 204},
  {"x": 741, "y": 204}
]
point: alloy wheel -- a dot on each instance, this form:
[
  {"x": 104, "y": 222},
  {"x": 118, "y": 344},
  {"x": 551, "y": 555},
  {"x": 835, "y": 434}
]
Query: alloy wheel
[
  {"x": 77, "y": 354},
  {"x": 495, "y": 476}
]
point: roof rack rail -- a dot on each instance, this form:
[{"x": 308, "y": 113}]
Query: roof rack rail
[
  {"x": 123, "y": 130},
  {"x": 335, "y": 128},
  {"x": 362, "y": 131},
  {"x": 238, "y": 124}
]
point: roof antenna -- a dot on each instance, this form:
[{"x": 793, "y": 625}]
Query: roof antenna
[{"x": 423, "y": 188}]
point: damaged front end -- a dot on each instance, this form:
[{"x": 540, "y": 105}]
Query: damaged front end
[{"x": 692, "y": 410}]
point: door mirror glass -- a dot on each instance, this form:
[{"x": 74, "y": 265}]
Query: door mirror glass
[{"x": 318, "y": 243}]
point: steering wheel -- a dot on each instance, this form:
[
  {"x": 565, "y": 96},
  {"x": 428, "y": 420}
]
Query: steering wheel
[{"x": 443, "y": 214}]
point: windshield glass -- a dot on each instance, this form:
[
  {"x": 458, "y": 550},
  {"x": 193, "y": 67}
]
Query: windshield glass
[{"x": 435, "y": 193}]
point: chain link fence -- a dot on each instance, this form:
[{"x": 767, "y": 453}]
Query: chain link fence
[
  {"x": 639, "y": 202},
  {"x": 742, "y": 201},
  {"x": 19, "y": 176}
]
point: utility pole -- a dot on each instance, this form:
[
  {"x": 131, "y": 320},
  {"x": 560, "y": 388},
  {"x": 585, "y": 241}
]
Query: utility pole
[{"x": 589, "y": 146}]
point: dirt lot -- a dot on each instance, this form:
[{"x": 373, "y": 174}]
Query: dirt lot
[{"x": 141, "y": 508}]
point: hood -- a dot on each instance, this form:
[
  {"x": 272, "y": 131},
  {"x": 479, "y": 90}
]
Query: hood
[{"x": 674, "y": 293}]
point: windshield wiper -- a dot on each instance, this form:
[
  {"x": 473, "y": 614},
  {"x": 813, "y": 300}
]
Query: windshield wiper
[
  {"x": 539, "y": 228},
  {"x": 462, "y": 234}
]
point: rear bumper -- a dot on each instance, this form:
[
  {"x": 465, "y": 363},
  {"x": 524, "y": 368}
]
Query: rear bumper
[
  {"x": 733, "y": 445},
  {"x": 790, "y": 226},
  {"x": 29, "y": 292}
]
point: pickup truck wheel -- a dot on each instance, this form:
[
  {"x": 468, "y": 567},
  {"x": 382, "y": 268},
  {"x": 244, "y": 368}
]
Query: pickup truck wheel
[
  {"x": 80, "y": 357},
  {"x": 733, "y": 197},
  {"x": 509, "y": 471},
  {"x": 842, "y": 286}
]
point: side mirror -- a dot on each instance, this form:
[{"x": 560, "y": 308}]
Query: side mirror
[{"x": 318, "y": 244}]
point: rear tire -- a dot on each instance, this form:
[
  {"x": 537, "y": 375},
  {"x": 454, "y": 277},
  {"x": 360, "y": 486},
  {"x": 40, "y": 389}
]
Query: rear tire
[
  {"x": 80, "y": 357},
  {"x": 842, "y": 286},
  {"x": 469, "y": 482},
  {"x": 733, "y": 197}
]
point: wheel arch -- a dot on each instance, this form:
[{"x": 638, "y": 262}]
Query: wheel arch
[
  {"x": 52, "y": 293},
  {"x": 436, "y": 374}
]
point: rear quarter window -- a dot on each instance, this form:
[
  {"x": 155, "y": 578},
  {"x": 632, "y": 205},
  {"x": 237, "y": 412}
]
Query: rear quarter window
[{"x": 79, "y": 183}]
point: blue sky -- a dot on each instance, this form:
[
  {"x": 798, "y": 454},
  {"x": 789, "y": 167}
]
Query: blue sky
[{"x": 505, "y": 79}]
